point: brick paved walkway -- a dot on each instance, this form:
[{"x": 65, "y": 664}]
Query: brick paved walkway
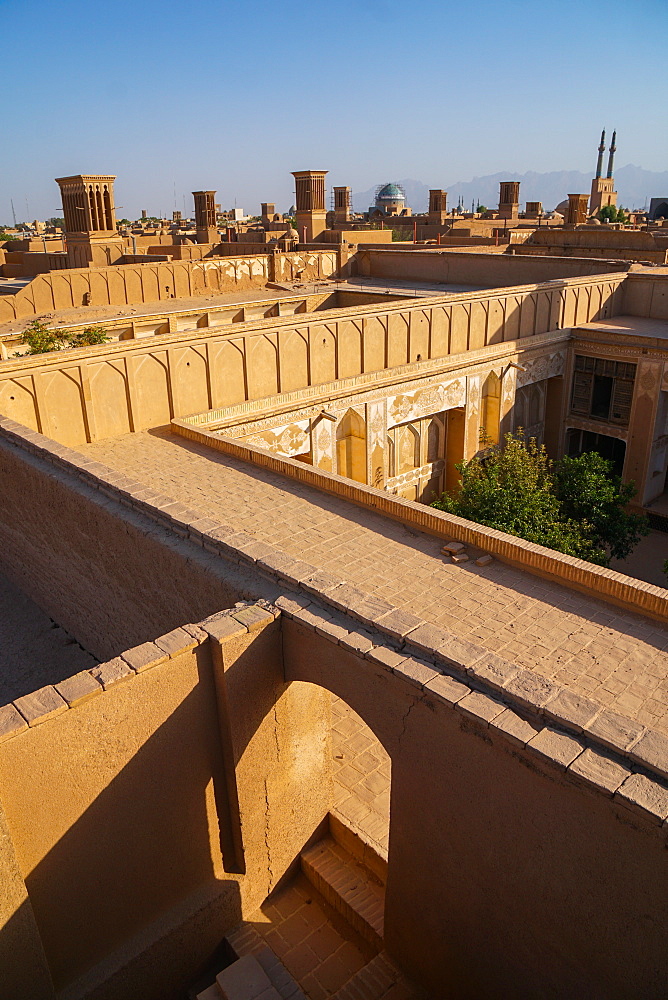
[{"x": 617, "y": 658}]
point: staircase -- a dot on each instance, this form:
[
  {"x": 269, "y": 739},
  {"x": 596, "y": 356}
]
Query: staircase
[
  {"x": 348, "y": 886},
  {"x": 345, "y": 878}
]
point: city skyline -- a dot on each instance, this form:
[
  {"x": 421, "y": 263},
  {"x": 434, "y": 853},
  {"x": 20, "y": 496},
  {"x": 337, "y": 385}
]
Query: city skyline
[{"x": 219, "y": 97}]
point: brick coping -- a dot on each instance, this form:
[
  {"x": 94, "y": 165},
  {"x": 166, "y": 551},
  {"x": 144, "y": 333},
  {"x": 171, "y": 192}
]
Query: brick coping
[
  {"x": 557, "y": 729},
  {"x": 486, "y": 675},
  {"x": 595, "y": 581}
]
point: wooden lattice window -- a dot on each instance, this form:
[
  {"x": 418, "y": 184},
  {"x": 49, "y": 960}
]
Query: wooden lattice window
[{"x": 603, "y": 389}]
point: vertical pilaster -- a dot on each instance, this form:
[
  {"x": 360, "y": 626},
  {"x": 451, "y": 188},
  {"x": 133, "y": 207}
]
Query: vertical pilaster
[
  {"x": 376, "y": 425},
  {"x": 472, "y": 419}
]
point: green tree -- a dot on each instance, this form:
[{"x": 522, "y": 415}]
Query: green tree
[
  {"x": 4, "y": 236},
  {"x": 56, "y": 221},
  {"x": 515, "y": 488},
  {"x": 588, "y": 491},
  {"x": 612, "y": 214},
  {"x": 481, "y": 208}
]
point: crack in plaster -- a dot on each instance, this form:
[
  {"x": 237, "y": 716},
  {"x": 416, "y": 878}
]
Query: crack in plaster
[{"x": 266, "y": 836}]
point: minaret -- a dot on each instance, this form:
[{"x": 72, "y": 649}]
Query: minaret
[
  {"x": 601, "y": 151},
  {"x": 613, "y": 150}
]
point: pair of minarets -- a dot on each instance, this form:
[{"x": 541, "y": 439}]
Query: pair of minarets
[{"x": 601, "y": 151}]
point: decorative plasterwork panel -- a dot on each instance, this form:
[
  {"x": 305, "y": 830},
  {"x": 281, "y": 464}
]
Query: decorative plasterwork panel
[
  {"x": 422, "y": 403},
  {"x": 290, "y": 439},
  {"x": 545, "y": 366}
]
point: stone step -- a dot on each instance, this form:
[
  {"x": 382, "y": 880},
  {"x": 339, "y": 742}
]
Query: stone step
[
  {"x": 348, "y": 886},
  {"x": 354, "y": 842},
  {"x": 379, "y": 980},
  {"x": 245, "y": 979},
  {"x": 246, "y": 941},
  {"x": 211, "y": 993}
]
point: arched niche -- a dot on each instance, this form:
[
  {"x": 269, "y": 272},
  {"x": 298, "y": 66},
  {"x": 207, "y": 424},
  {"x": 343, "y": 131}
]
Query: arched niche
[
  {"x": 351, "y": 447},
  {"x": 491, "y": 409}
]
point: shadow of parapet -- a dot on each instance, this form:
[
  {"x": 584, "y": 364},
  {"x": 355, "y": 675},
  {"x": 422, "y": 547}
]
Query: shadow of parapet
[{"x": 34, "y": 649}]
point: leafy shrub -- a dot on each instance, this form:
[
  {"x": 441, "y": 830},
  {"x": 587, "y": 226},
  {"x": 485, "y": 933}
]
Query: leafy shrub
[
  {"x": 575, "y": 506},
  {"x": 40, "y": 339}
]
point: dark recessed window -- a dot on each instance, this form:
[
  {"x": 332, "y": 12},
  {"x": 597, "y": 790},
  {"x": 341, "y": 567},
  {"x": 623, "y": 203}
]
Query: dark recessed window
[{"x": 603, "y": 389}]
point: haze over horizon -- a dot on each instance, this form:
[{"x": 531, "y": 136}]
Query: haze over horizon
[{"x": 172, "y": 98}]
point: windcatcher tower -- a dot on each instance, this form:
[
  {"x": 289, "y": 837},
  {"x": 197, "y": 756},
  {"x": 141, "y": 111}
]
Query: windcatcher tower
[
  {"x": 310, "y": 202},
  {"x": 602, "y": 188},
  {"x": 342, "y": 204},
  {"x": 267, "y": 212},
  {"x": 90, "y": 220},
  {"x": 205, "y": 217},
  {"x": 509, "y": 199},
  {"x": 577, "y": 210},
  {"x": 438, "y": 207}
]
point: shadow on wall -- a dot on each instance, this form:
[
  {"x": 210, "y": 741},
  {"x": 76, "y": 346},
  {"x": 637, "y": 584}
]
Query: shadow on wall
[
  {"x": 143, "y": 853},
  {"x": 133, "y": 891}
]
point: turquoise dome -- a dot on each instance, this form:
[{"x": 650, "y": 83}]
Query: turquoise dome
[{"x": 390, "y": 192}]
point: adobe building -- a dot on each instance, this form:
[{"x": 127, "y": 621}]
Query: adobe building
[
  {"x": 310, "y": 734},
  {"x": 438, "y": 207},
  {"x": 311, "y": 211},
  {"x": 206, "y": 224},
  {"x": 577, "y": 210},
  {"x": 90, "y": 220},
  {"x": 342, "y": 205},
  {"x": 602, "y": 188},
  {"x": 509, "y": 199},
  {"x": 390, "y": 201}
]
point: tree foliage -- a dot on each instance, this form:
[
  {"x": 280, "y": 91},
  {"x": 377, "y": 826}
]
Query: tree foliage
[
  {"x": 589, "y": 492},
  {"x": 575, "y": 506},
  {"x": 40, "y": 339},
  {"x": 612, "y": 214}
]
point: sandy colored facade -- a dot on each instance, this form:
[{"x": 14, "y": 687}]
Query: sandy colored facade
[
  {"x": 222, "y": 728},
  {"x": 225, "y": 507}
]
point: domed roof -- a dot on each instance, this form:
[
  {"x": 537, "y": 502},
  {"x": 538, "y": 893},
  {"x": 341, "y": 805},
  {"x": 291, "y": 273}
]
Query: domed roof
[{"x": 390, "y": 192}]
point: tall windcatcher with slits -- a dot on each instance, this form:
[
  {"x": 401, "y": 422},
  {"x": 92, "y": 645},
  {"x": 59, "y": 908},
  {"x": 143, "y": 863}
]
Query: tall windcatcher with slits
[{"x": 90, "y": 220}]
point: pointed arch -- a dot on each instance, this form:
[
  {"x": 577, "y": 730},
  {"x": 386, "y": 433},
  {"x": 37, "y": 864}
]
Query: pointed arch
[
  {"x": 491, "y": 408},
  {"x": 351, "y": 447}
]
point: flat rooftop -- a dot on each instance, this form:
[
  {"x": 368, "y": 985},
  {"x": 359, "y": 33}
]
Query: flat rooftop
[
  {"x": 629, "y": 326},
  {"x": 34, "y": 650},
  {"x": 597, "y": 650}
]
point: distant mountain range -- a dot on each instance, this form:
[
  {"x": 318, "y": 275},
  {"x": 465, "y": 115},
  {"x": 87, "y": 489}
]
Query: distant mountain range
[{"x": 634, "y": 185}]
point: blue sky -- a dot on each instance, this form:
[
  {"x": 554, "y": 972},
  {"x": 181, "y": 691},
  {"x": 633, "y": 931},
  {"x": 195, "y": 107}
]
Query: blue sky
[{"x": 234, "y": 95}]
